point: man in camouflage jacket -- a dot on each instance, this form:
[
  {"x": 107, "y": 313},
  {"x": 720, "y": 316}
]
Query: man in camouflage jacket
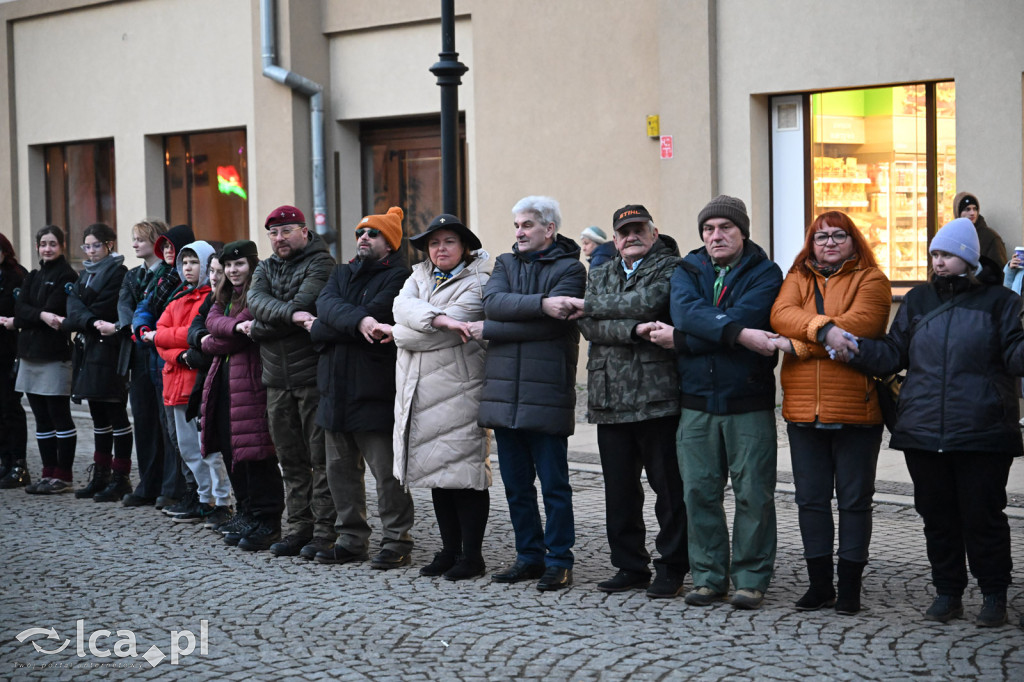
[{"x": 633, "y": 397}]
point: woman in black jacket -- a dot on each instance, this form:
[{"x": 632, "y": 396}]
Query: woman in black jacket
[
  {"x": 960, "y": 339},
  {"x": 44, "y": 362},
  {"x": 12, "y": 414},
  {"x": 102, "y": 359}
]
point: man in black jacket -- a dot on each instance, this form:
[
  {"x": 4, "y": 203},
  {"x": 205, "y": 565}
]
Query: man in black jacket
[
  {"x": 529, "y": 391},
  {"x": 282, "y": 300},
  {"x": 356, "y": 376}
]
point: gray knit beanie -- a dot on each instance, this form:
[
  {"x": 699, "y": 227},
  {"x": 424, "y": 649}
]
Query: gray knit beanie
[
  {"x": 959, "y": 238},
  {"x": 724, "y": 206}
]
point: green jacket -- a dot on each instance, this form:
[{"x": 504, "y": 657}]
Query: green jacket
[{"x": 629, "y": 379}]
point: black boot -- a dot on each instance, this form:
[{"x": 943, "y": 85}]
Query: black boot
[
  {"x": 17, "y": 477},
  {"x": 119, "y": 486},
  {"x": 6, "y": 464},
  {"x": 99, "y": 477},
  {"x": 850, "y": 572},
  {"x": 821, "y": 593}
]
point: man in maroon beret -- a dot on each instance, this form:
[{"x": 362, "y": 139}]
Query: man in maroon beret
[{"x": 282, "y": 299}]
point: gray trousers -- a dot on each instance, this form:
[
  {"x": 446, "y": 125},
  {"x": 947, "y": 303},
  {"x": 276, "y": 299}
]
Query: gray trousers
[
  {"x": 346, "y": 471},
  {"x": 299, "y": 443}
]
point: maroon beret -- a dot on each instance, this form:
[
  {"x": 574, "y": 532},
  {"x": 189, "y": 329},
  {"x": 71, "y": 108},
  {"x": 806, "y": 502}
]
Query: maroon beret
[{"x": 285, "y": 215}]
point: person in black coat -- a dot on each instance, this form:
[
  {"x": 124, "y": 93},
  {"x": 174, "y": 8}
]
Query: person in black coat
[
  {"x": 102, "y": 359},
  {"x": 12, "y": 414},
  {"x": 529, "y": 391},
  {"x": 960, "y": 339},
  {"x": 44, "y": 363},
  {"x": 356, "y": 378}
]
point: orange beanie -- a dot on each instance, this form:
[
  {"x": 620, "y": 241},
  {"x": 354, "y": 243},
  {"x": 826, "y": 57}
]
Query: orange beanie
[{"x": 389, "y": 224}]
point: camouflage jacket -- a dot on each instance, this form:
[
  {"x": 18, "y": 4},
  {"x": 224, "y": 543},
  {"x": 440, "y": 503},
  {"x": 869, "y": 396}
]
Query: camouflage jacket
[{"x": 629, "y": 379}]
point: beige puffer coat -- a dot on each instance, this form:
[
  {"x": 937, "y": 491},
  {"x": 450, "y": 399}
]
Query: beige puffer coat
[{"x": 438, "y": 378}]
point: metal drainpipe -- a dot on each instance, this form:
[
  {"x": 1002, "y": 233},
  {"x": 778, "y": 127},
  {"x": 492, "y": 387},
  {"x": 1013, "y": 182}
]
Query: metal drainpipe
[{"x": 315, "y": 92}]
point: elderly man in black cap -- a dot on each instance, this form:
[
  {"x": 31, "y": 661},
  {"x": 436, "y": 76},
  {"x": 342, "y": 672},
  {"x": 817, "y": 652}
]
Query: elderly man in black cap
[
  {"x": 722, "y": 296},
  {"x": 633, "y": 397}
]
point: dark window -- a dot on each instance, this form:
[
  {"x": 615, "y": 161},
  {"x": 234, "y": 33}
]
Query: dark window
[
  {"x": 80, "y": 189},
  {"x": 206, "y": 181}
]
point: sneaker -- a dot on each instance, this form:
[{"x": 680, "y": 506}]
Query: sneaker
[
  {"x": 317, "y": 544},
  {"x": 261, "y": 536},
  {"x": 190, "y": 499},
  {"x": 33, "y": 488},
  {"x": 747, "y": 599},
  {"x": 337, "y": 554},
  {"x": 54, "y": 486},
  {"x": 624, "y": 580},
  {"x": 945, "y": 608},
  {"x": 388, "y": 558},
  {"x": 290, "y": 545},
  {"x": 665, "y": 587},
  {"x": 220, "y": 515},
  {"x": 237, "y": 527},
  {"x": 196, "y": 514},
  {"x": 993, "y": 611},
  {"x": 239, "y": 521},
  {"x": 703, "y": 596}
]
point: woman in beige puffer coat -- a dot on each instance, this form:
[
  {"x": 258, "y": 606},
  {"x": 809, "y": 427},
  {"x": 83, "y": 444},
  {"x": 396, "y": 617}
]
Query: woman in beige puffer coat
[{"x": 439, "y": 374}]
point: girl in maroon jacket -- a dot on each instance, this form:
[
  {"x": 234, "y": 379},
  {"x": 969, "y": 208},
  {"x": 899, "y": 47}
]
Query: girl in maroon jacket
[{"x": 235, "y": 407}]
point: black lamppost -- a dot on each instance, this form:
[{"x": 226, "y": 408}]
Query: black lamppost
[{"x": 449, "y": 72}]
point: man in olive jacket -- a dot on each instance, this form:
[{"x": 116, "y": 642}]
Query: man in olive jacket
[
  {"x": 633, "y": 397},
  {"x": 529, "y": 391},
  {"x": 282, "y": 299}
]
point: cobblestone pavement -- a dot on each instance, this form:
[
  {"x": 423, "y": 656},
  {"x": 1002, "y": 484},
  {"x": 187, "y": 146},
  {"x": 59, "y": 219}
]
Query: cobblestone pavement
[{"x": 113, "y": 568}]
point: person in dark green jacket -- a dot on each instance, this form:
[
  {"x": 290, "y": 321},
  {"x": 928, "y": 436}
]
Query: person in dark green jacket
[
  {"x": 633, "y": 397},
  {"x": 282, "y": 300}
]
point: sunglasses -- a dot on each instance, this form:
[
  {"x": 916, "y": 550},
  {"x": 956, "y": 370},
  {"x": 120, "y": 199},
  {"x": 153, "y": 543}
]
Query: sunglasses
[{"x": 367, "y": 230}]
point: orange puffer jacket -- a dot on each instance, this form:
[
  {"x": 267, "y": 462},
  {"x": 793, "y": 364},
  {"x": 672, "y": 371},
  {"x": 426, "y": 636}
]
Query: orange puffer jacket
[
  {"x": 857, "y": 299},
  {"x": 172, "y": 338}
]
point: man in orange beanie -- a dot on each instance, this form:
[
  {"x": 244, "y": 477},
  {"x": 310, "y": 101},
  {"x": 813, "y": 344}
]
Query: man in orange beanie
[{"x": 356, "y": 376}]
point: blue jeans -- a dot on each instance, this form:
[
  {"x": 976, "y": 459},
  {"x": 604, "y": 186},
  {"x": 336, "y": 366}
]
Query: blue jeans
[{"x": 523, "y": 457}]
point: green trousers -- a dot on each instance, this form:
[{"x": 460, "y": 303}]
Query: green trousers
[{"x": 711, "y": 449}]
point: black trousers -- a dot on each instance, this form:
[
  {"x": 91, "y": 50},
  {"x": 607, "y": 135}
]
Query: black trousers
[
  {"x": 258, "y": 486},
  {"x": 14, "y": 435},
  {"x": 627, "y": 450},
  {"x": 151, "y": 440},
  {"x": 961, "y": 497}
]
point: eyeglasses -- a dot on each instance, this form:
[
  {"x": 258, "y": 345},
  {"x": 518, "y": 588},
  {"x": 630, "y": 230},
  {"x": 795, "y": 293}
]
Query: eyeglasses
[
  {"x": 367, "y": 230},
  {"x": 283, "y": 233},
  {"x": 95, "y": 246},
  {"x": 821, "y": 238}
]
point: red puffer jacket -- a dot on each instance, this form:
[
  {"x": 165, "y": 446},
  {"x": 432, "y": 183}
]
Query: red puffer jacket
[
  {"x": 172, "y": 339},
  {"x": 250, "y": 432}
]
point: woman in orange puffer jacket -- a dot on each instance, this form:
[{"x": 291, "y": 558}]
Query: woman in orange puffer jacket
[{"x": 834, "y": 422}]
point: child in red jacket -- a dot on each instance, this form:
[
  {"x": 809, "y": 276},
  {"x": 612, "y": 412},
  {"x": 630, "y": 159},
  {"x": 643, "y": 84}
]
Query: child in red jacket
[{"x": 171, "y": 340}]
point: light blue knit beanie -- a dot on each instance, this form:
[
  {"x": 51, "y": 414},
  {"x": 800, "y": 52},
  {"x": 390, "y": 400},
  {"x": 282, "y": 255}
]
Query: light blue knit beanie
[{"x": 959, "y": 238}]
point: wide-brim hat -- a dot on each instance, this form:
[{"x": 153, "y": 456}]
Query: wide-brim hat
[{"x": 447, "y": 221}]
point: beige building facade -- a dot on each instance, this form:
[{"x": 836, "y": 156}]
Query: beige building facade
[{"x": 556, "y": 101}]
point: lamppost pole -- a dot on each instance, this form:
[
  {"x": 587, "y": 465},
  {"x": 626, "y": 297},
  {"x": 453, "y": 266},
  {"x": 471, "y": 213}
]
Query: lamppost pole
[{"x": 449, "y": 70}]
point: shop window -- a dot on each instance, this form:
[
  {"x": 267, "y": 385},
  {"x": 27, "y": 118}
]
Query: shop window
[
  {"x": 206, "y": 182},
  {"x": 402, "y": 167},
  {"x": 80, "y": 189},
  {"x": 887, "y": 158}
]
